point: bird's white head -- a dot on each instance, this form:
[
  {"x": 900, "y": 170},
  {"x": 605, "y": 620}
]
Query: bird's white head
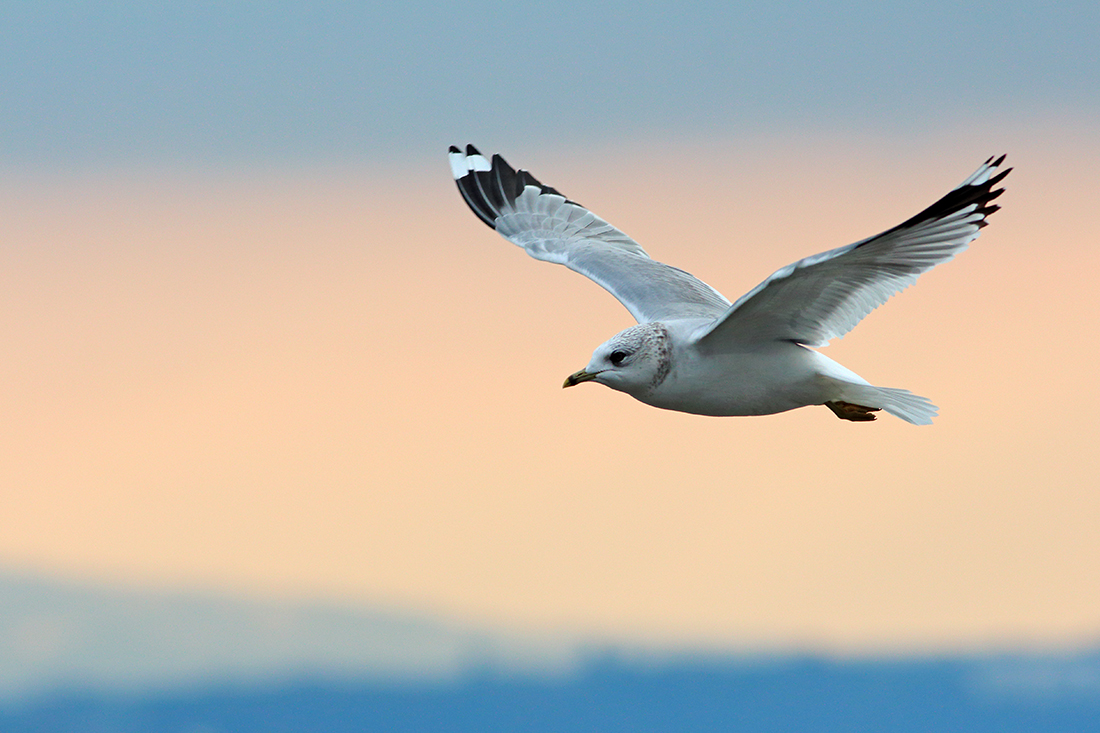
[{"x": 634, "y": 361}]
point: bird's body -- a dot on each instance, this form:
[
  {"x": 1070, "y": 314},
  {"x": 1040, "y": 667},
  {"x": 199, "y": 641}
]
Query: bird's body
[
  {"x": 694, "y": 351},
  {"x": 775, "y": 377}
]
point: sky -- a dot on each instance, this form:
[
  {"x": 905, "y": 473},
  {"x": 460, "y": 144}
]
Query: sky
[
  {"x": 255, "y": 343},
  {"x": 214, "y": 84}
]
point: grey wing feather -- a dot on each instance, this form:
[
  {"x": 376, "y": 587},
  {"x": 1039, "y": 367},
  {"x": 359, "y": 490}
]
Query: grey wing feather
[
  {"x": 823, "y": 297},
  {"x": 551, "y": 227}
]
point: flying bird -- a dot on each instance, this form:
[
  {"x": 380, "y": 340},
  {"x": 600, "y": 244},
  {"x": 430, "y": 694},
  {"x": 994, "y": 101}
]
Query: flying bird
[{"x": 694, "y": 351}]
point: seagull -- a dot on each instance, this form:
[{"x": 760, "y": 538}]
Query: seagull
[{"x": 693, "y": 351}]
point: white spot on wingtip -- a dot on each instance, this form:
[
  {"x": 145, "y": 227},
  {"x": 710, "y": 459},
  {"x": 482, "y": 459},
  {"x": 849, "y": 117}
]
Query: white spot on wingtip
[
  {"x": 458, "y": 165},
  {"x": 478, "y": 163}
]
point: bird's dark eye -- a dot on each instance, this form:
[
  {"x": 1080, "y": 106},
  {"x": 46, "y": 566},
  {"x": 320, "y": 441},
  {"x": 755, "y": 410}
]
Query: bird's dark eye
[{"x": 618, "y": 357}]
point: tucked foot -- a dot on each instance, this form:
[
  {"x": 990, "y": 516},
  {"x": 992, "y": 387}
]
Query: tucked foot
[{"x": 855, "y": 413}]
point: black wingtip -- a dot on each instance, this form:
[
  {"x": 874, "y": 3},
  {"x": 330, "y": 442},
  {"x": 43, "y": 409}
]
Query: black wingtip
[
  {"x": 489, "y": 192},
  {"x": 999, "y": 177},
  {"x": 978, "y": 194},
  {"x": 469, "y": 185}
]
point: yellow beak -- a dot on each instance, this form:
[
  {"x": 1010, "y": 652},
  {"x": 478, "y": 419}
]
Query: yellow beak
[{"x": 574, "y": 379}]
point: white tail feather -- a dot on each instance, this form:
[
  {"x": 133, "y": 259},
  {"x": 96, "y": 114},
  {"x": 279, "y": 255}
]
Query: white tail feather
[{"x": 898, "y": 402}]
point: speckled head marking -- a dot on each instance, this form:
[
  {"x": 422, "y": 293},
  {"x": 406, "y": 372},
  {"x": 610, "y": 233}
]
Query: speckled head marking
[
  {"x": 657, "y": 334},
  {"x": 646, "y": 341}
]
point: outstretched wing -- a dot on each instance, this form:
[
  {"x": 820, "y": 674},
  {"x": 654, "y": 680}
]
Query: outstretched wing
[
  {"x": 823, "y": 297},
  {"x": 553, "y": 228}
]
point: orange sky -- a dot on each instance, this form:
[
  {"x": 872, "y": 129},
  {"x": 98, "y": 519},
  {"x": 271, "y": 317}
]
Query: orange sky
[{"x": 343, "y": 387}]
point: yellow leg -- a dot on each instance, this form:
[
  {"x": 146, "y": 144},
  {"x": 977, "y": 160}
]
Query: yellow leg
[{"x": 855, "y": 413}]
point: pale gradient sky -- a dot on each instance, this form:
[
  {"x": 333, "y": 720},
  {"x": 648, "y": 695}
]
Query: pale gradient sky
[
  {"x": 338, "y": 384},
  {"x": 254, "y": 341}
]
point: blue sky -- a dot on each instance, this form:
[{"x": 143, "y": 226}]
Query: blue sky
[{"x": 92, "y": 84}]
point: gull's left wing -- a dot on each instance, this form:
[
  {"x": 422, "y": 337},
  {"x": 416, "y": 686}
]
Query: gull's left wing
[
  {"x": 551, "y": 227},
  {"x": 823, "y": 297}
]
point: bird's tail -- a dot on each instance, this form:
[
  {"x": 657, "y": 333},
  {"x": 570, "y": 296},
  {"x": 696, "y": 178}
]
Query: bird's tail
[{"x": 898, "y": 402}]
